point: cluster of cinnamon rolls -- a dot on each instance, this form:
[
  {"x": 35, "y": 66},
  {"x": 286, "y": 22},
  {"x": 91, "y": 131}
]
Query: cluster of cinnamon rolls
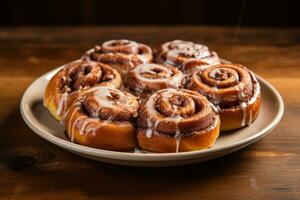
[{"x": 121, "y": 96}]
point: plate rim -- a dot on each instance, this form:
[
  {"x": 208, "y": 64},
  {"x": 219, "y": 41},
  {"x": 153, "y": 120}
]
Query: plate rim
[{"x": 129, "y": 156}]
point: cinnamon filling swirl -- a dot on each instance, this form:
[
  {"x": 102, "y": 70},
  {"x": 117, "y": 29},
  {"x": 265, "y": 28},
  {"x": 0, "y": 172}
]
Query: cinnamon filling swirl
[
  {"x": 102, "y": 118},
  {"x": 152, "y": 107},
  {"x": 177, "y": 113},
  {"x": 152, "y": 77},
  {"x": 229, "y": 86},
  {"x": 186, "y": 55},
  {"x": 77, "y": 76},
  {"x": 122, "y": 55},
  {"x": 82, "y": 75}
]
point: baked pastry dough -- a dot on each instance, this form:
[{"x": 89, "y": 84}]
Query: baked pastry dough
[
  {"x": 233, "y": 89},
  {"x": 186, "y": 55},
  {"x": 73, "y": 78},
  {"x": 176, "y": 120},
  {"x": 148, "y": 78},
  {"x": 118, "y": 97},
  {"x": 103, "y": 118},
  {"x": 122, "y": 55}
]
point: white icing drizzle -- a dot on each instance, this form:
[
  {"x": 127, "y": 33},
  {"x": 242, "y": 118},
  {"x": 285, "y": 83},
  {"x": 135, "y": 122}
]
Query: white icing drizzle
[
  {"x": 178, "y": 139},
  {"x": 175, "y": 117},
  {"x": 214, "y": 98},
  {"x": 243, "y": 104},
  {"x": 198, "y": 67},
  {"x": 130, "y": 56},
  {"x": 103, "y": 94},
  {"x": 246, "y": 120},
  {"x": 85, "y": 123},
  {"x": 84, "y": 126},
  {"x": 177, "y": 136},
  {"x": 72, "y": 128},
  {"x": 122, "y": 42},
  {"x": 149, "y": 129},
  {"x": 213, "y": 59},
  {"x": 51, "y": 97},
  {"x": 174, "y": 80},
  {"x": 241, "y": 96},
  {"x": 87, "y": 54},
  {"x": 250, "y": 118},
  {"x": 146, "y": 68},
  {"x": 176, "y": 44},
  {"x": 104, "y": 123},
  {"x": 143, "y": 58},
  {"x": 216, "y": 108},
  {"x": 111, "y": 50},
  {"x": 175, "y": 48},
  {"x": 237, "y": 78},
  {"x": 169, "y": 62},
  {"x": 256, "y": 88},
  {"x": 61, "y": 104},
  {"x": 198, "y": 54}
]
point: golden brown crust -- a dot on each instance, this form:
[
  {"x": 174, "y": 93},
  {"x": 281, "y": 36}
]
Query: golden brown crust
[
  {"x": 163, "y": 143},
  {"x": 233, "y": 89},
  {"x": 122, "y": 55},
  {"x": 234, "y": 118},
  {"x": 74, "y": 77},
  {"x": 173, "y": 114},
  {"x": 102, "y": 118}
]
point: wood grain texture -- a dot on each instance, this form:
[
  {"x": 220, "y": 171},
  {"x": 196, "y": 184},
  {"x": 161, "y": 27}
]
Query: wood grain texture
[{"x": 32, "y": 168}]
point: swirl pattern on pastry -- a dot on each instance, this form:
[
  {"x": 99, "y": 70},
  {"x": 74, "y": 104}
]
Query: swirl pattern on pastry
[
  {"x": 174, "y": 120},
  {"x": 76, "y": 76},
  {"x": 187, "y": 55},
  {"x": 122, "y": 55},
  {"x": 103, "y": 118},
  {"x": 178, "y": 102},
  {"x": 233, "y": 89},
  {"x": 148, "y": 78}
]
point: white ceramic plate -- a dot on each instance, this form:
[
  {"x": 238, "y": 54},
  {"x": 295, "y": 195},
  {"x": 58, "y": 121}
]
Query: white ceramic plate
[{"x": 41, "y": 122}]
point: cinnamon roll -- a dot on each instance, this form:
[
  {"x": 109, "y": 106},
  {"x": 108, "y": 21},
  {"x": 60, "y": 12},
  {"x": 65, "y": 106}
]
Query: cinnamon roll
[
  {"x": 103, "y": 118},
  {"x": 187, "y": 55},
  {"x": 77, "y": 76},
  {"x": 122, "y": 55},
  {"x": 148, "y": 78},
  {"x": 233, "y": 89},
  {"x": 177, "y": 120}
]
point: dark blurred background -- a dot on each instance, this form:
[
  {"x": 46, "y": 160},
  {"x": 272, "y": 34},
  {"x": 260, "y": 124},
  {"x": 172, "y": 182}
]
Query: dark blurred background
[{"x": 153, "y": 12}]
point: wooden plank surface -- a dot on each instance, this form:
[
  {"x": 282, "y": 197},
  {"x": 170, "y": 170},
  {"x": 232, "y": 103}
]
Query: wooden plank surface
[{"x": 32, "y": 168}]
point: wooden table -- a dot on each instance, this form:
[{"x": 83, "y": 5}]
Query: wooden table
[{"x": 32, "y": 168}]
